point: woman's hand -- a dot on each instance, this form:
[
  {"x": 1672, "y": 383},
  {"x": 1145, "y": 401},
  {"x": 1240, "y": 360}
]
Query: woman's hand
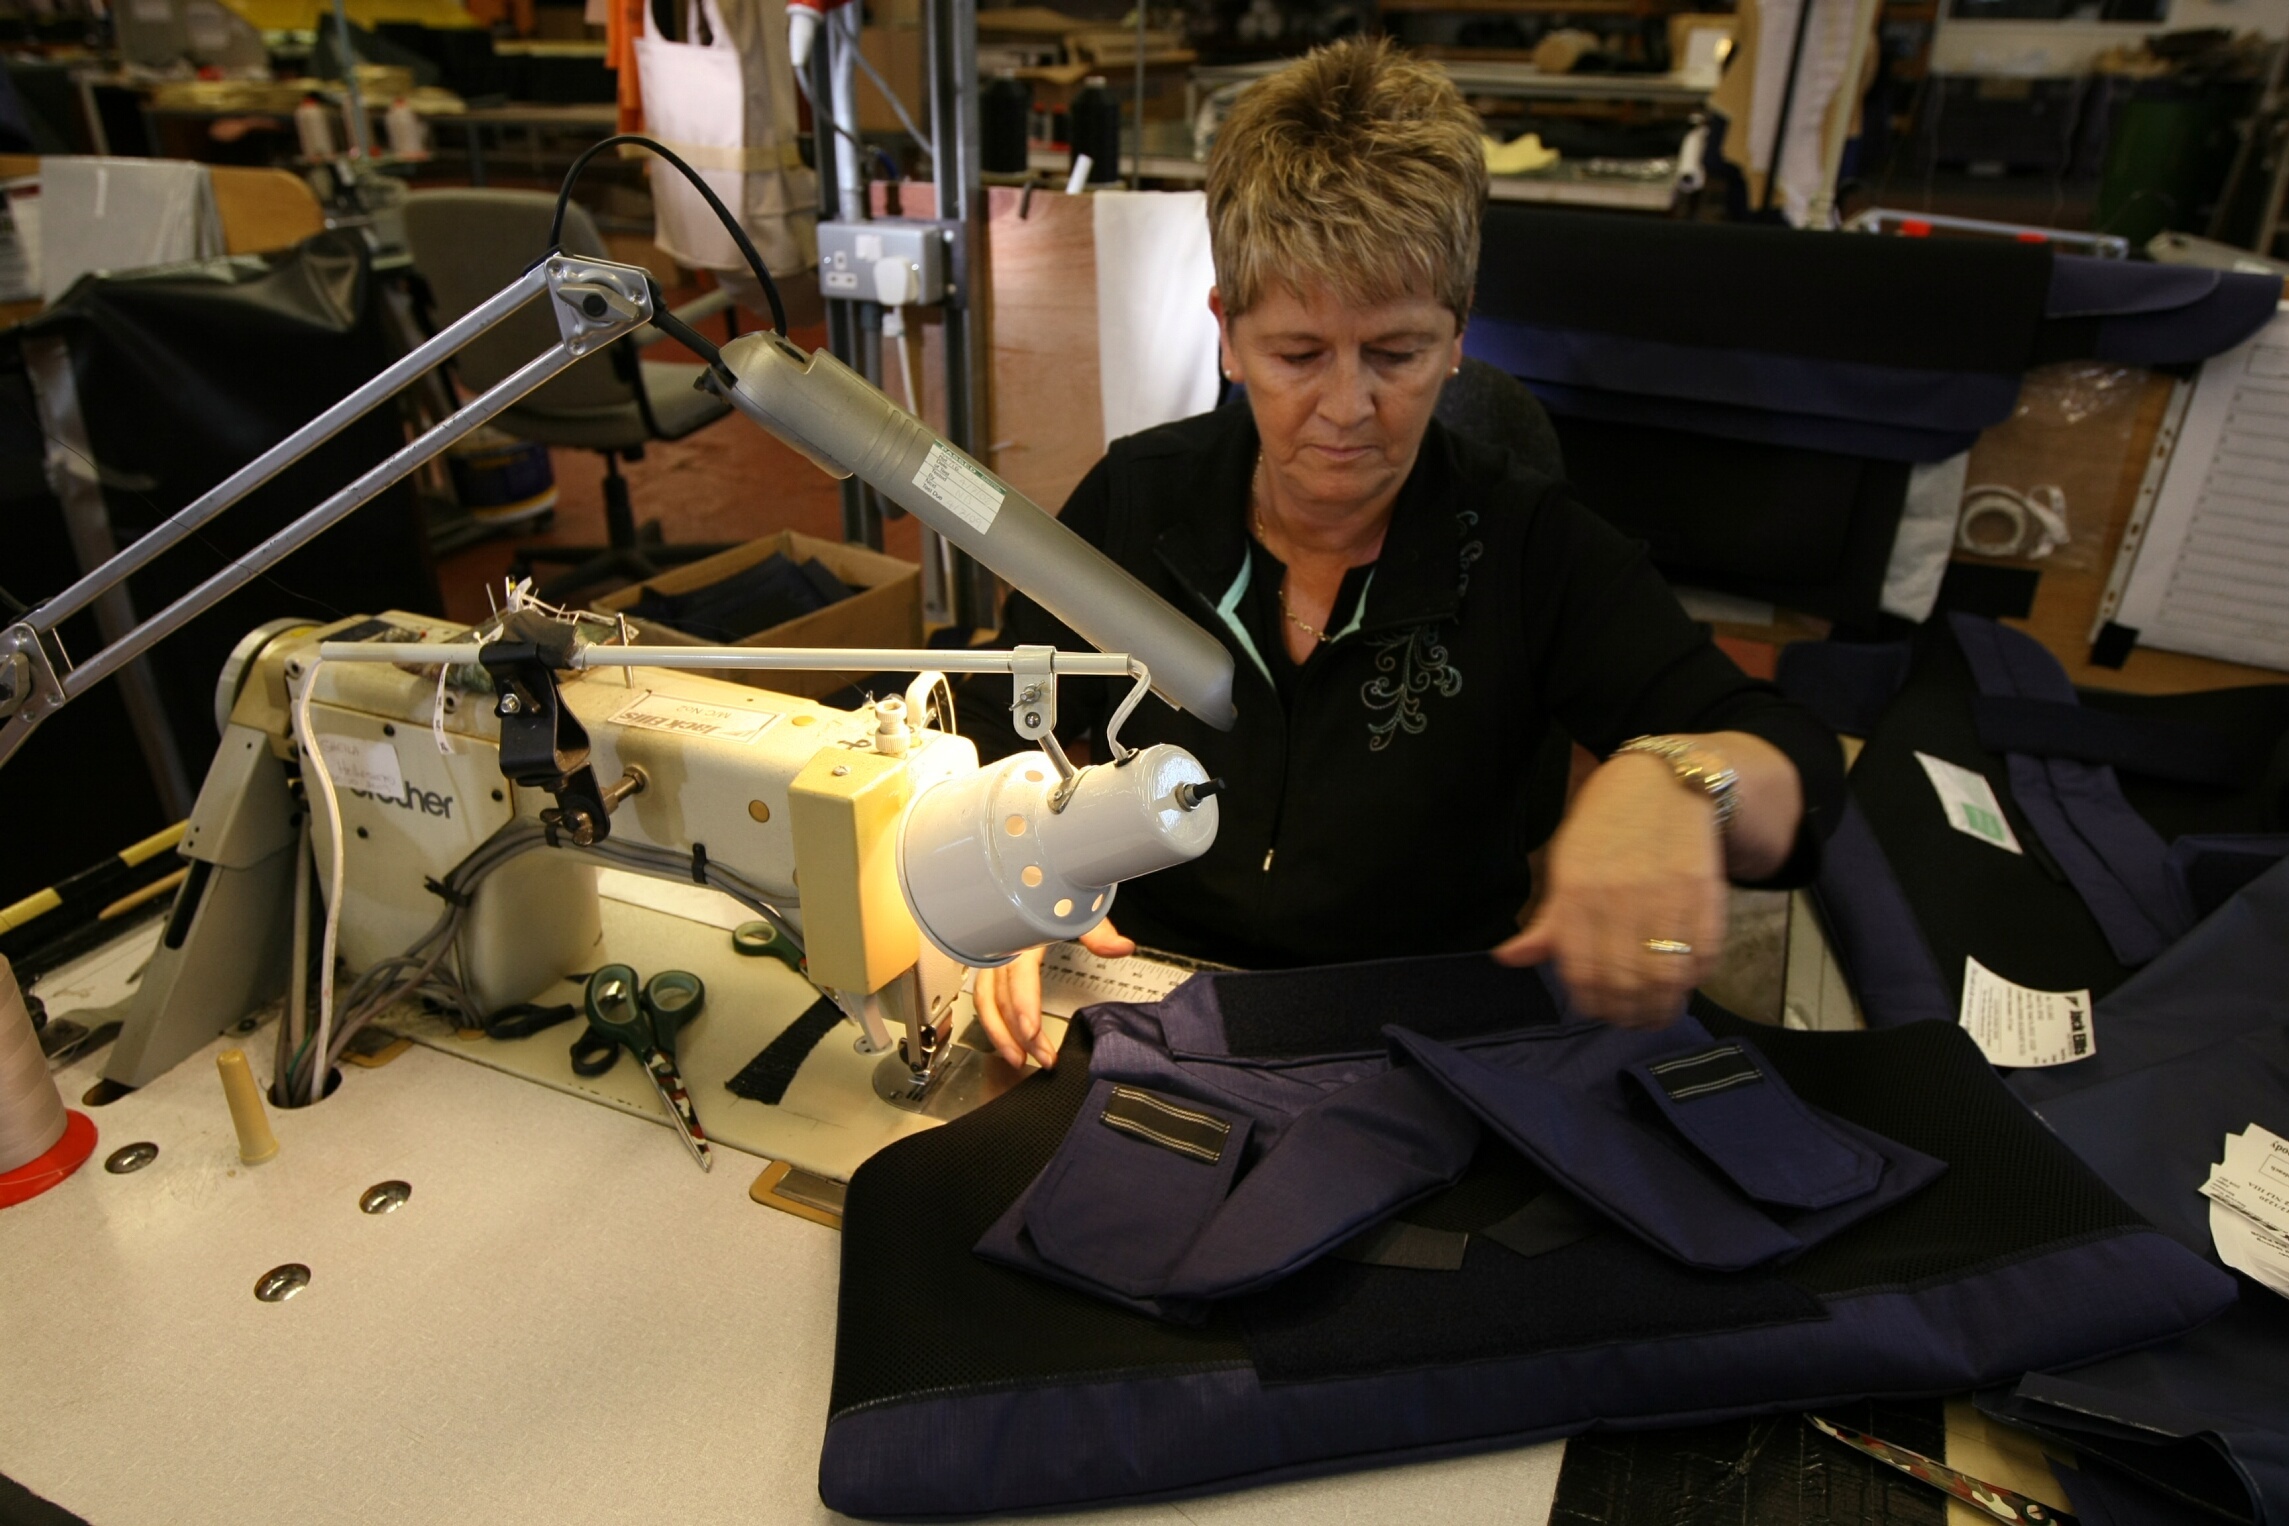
[
  {"x": 1008, "y": 999},
  {"x": 1637, "y": 858}
]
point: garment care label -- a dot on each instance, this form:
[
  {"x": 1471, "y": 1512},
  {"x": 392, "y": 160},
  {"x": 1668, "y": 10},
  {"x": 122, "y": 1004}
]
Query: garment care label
[
  {"x": 370, "y": 768},
  {"x": 2255, "y": 1177},
  {"x": 2014, "y": 1025},
  {"x": 688, "y": 717},
  {"x": 961, "y": 485},
  {"x": 2249, "y": 1206},
  {"x": 1969, "y": 801}
]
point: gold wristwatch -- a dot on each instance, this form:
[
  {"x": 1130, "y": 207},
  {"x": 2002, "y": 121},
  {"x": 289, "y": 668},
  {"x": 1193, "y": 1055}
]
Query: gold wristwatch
[{"x": 1697, "y": 767}]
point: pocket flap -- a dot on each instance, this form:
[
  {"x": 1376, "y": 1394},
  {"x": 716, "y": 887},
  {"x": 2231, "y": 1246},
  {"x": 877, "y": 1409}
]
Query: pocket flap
[{"x": 1730, "y": 1105}]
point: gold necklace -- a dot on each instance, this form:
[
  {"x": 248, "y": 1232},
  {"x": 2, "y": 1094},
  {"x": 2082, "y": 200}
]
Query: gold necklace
[{"x": 1256, "y": 516}]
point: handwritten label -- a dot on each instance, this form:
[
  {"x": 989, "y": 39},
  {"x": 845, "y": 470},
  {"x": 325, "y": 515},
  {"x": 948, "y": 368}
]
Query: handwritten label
[
  {"x": 368, "y": 767},
  {"x": 688, "y": 717},
  {"x": 962, "y": 486}
]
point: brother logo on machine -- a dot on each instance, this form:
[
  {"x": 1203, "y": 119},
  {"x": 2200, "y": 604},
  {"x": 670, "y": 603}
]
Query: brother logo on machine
[
  {"x": 370, "y": 771},
  {"x": 425, "y": 801}
]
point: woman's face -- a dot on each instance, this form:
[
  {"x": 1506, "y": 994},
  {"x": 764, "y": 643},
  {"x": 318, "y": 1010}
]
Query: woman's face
[{"x": 1341, "y": 393}]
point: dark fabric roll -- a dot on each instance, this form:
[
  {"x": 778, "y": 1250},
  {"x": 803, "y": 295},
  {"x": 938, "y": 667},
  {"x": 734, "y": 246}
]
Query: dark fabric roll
[{"x": 1944, "y": 304}]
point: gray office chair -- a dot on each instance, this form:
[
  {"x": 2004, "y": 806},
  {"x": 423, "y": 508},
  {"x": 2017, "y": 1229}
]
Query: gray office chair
[
  {"x": 467, "y": 246},
  {"x": 1494, "y": 407}
]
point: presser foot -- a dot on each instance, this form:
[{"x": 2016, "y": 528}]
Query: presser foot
[{"x": 956, "y": 1079}]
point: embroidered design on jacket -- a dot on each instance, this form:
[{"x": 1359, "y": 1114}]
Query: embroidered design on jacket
[{"x": 1413, "y": 663}]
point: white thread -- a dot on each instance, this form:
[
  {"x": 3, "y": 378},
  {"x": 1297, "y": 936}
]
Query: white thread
[
  {"x": 314, "y": 759},
  {"x": 31, "y": 1112}
]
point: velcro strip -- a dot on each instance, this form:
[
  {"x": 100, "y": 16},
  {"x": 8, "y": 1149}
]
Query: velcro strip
[
  {"x": 1410, "y": 1247},
  {"x": 1149, "y": 1117},
  {"x": 1712, "y": 1070}
]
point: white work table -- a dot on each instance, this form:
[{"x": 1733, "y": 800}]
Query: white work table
[{"x": 567, "y": 1322}]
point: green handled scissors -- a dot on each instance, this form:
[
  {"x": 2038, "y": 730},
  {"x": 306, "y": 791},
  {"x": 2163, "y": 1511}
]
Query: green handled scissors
[{"x": 646, "y": 1021}]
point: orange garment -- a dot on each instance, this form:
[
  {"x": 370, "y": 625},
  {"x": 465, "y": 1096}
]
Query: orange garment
[{"x": 623, "y": 24}]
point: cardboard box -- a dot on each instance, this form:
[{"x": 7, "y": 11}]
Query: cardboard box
[{"x": 886, "y": 609}]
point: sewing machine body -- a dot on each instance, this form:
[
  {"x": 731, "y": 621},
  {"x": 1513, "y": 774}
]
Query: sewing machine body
[{"x": 791, "y": 794}]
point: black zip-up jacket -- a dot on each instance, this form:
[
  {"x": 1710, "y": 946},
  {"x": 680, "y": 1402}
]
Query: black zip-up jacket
[{"x": 1385, "y": 802}]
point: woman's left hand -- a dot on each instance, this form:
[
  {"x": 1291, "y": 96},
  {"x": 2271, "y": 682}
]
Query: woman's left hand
[{"x": 1636, "y": 863}]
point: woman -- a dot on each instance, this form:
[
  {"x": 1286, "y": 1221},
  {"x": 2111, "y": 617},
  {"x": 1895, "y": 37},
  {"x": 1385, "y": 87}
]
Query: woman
[{"x": 1417, "y": 620}]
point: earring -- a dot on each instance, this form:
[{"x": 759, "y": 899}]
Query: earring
[{"x": 1457, "y": 371}]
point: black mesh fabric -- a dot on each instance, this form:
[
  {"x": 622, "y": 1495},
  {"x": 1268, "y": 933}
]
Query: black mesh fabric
[
  {"x": 916, "y": 1209},
  {"x": 1337, "y": 1319},
  {"x": 1342, "y": 1008},
  {"x": 910, "y": 1217},
  {"x": 2010, "y": 1190}
]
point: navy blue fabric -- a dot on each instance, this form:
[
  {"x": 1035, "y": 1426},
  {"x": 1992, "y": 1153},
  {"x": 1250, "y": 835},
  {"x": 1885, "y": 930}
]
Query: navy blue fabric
[
  {"x": 1749, "y": 393},
  {"x": 1324, "y": 1147},
  {"x": 1171, "y": 1435},
  {"x": 2054, "y": 728},
  {"x": 1555, "y": 1097},
  {"x": 2193, "y": 1047},
  {"x": 2207, "y": 869},
  {"x": 2111, "y": 855},
  {"x": 2083, "y": 286},
  {"x": 1119, "y": 1211},
  {"x": 1867, "y": 439},
  {"x": 1847, "y": 684},
  {"x": 2150, "y": 314},
  {"x": 1758, "y": 1132},
  {"x": 1874, "y": 931}
]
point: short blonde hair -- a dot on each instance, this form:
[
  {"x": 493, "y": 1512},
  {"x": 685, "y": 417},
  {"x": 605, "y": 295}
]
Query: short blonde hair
[{"x": 1355, "y": 167}]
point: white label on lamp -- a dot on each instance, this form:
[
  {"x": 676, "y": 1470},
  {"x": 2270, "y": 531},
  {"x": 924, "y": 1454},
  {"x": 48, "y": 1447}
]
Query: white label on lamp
[
  {"x": 961, "y": 485},
  {"x": 689, "y": 718},
  {"x": 1970, "y": 802},
  {"x": 2015, "y": 1025},
  {"x": 368, "y": 768}
]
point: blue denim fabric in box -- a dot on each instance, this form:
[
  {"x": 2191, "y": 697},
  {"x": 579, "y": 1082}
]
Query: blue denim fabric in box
[{"x": 1309, "y": 1150}]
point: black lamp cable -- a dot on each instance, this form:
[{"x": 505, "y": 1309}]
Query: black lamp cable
[{"x": 715, "y": 203}]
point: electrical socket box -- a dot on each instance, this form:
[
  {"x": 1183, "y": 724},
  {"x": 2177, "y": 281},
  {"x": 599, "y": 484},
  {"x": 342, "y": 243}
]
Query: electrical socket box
[{"x": 853, "y": 256}]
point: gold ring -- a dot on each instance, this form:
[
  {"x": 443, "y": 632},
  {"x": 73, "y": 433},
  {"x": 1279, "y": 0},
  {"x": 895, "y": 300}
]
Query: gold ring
[{"x": 1667, "y": 946}]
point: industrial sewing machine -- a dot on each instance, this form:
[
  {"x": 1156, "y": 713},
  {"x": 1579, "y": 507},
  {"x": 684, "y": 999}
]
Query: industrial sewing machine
[
  {"x": 871, "y": 835},
  {"x": 449, "y": 777}
]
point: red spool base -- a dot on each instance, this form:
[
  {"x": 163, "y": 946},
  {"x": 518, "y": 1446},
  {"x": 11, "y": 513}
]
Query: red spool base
[{"x": 64, "y": 1157}]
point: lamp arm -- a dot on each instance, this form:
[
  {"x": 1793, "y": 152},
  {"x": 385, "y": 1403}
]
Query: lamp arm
[{"x": 596, "y": 302}]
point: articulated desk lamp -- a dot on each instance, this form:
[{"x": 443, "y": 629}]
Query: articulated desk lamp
[{"x": 871, "y": 837}]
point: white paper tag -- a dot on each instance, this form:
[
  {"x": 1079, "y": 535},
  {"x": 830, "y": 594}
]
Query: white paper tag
[
  {"x": 1970, "y": 802},
  {"x": 2015, "y": 1025},
  {"x": 2248, "y": 1246},
  {"x": 2255, "y": 1177},
  {"x": 370, "y": 768},
  {"x": 961, "y": 486},
  {"x": 688, "y": 717},
  {"x": 1073, "y": 978}
]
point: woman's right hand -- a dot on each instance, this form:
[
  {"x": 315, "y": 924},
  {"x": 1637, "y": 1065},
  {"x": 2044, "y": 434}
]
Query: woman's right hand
[{"x": 1008, "y": 998}]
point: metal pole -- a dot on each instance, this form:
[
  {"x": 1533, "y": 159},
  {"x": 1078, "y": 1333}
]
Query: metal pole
[
  {"x": 361, "y": 130},
  {"x": 1787, "y": 104},
  {"x": 1136, "y": 154},
  {"x": 842, "y": 319},
  {"x": 952, "y": 40}
]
